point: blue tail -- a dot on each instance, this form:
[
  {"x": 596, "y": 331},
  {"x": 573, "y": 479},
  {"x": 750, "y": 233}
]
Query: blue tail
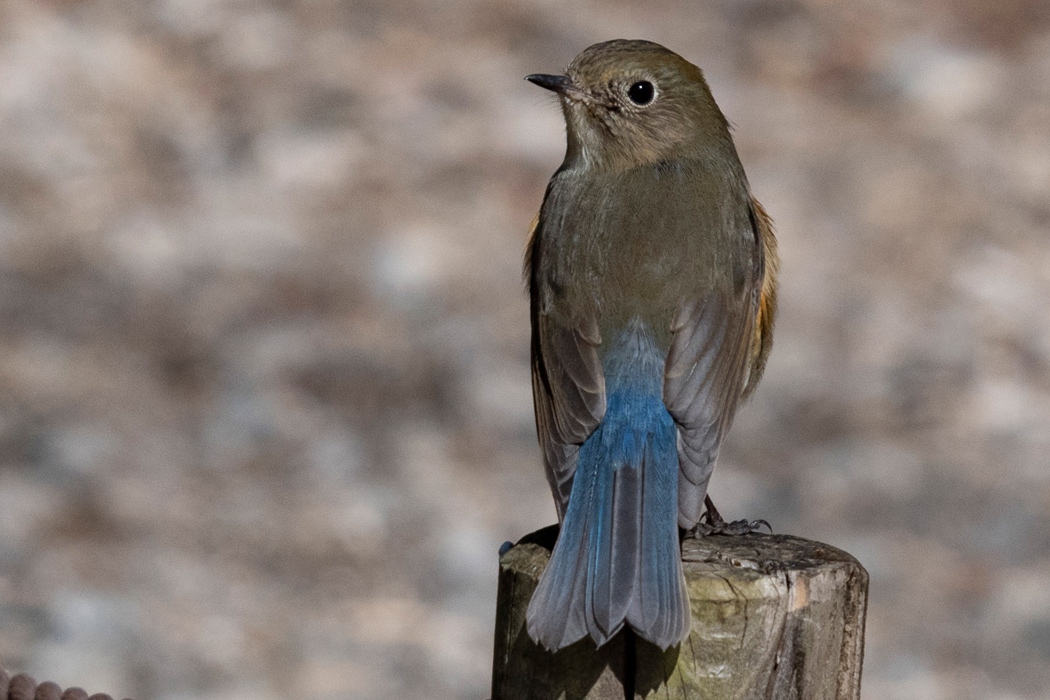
[{"x": 617, "y": 557}]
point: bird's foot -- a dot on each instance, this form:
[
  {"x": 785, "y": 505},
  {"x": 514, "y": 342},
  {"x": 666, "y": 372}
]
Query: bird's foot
[
  {"x": 712, "y": 523},
  {"x": 735, "y": 527}
]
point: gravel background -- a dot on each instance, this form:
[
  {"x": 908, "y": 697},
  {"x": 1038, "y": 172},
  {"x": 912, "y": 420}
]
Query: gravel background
[{"x": 265, "y": 414}]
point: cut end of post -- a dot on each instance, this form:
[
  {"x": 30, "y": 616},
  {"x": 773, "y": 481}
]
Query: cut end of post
[{"x": 770, "y": 612}]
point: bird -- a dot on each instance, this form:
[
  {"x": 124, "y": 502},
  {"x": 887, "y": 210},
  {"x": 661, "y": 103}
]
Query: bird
[{"x": 652, "y": 278}]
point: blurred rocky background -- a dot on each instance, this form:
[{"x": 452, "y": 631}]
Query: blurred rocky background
[{"x": 265, "y": 413}]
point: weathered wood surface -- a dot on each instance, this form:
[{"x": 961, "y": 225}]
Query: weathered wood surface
[{"x": 774, "y": 616}]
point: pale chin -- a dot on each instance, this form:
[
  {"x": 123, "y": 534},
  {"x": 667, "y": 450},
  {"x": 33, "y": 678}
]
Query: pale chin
[{"x": 585, "y": 142}]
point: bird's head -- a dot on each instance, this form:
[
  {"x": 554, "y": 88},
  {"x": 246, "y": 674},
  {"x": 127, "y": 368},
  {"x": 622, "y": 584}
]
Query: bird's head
[{"x": 631, "y": 102}]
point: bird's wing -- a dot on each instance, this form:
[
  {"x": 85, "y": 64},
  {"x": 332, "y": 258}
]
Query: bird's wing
[
  {"x": 712, "y": 348},
  {"x": 568, "y": 387}
]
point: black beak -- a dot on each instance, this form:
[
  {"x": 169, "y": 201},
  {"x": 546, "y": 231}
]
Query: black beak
[{"x": 556, "y": 83}]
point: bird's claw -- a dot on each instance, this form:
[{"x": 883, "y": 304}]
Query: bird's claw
[
  {"x": 736, "y": 527},
  {"x": 712, "y": 523}
]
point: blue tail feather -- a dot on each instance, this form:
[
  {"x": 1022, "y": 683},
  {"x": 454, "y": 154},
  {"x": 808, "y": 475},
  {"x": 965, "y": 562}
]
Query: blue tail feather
[{"x": 617, "y": 558}]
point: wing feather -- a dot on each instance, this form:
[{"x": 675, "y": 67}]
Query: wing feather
[
  {"x": 717, "y": 353},
  {"x": 568, "y": 386}
]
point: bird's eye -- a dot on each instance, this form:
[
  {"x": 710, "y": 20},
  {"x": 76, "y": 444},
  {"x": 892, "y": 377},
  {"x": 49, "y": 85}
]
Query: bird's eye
[{"x": 641, "y": 93}]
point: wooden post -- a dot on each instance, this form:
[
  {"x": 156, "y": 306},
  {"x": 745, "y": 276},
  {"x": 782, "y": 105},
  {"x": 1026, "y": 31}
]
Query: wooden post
[{"x": 774, "y": 616}]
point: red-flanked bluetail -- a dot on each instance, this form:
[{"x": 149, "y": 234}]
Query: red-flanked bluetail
[{"x": 652, "y": 280}]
